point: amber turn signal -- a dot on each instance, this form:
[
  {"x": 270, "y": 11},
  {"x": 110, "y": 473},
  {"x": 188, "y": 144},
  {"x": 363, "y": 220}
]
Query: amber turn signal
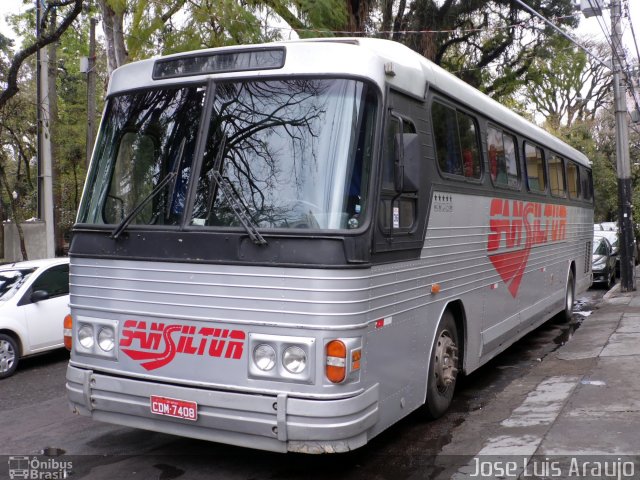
[
  {"x": 336, "y": 361},
  {"x": 68, "y": 332}
]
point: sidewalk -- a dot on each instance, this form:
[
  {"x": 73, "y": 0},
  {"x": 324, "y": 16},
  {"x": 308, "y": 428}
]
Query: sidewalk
[
  {"x": 580, "y": 406},
  {"x": 602, "y": 414}
]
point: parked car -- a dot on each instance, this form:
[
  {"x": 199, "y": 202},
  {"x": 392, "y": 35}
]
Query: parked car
[
  {"x": 608, "y": 226},
  {"x": 603, "y": 263},
  {"x": 610, "y": 231},
  {"x": 34, "y": 298}
]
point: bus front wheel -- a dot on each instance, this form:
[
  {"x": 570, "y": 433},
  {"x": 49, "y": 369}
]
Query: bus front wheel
[{"x": 443, "y": 367}]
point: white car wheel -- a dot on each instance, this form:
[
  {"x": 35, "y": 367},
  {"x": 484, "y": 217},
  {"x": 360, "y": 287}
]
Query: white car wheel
[{"x": 8, "y": 355}]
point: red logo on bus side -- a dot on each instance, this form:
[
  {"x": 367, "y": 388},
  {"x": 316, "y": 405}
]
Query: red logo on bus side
[
  {"x": 154, "y": 345},
  {"x": 515, "y": 228}
]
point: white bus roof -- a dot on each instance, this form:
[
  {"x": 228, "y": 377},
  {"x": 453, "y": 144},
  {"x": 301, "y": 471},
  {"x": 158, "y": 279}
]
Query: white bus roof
[{"x": 365, "y": 57}]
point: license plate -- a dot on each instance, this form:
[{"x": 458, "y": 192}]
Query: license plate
[{"x": 172, "y": 407}]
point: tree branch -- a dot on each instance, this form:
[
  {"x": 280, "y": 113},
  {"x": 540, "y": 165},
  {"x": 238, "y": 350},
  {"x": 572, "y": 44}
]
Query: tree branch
[{"x": 44, "y": 40}]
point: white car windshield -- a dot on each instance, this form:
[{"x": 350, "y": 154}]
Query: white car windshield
[{"x": 11, "y": 281}]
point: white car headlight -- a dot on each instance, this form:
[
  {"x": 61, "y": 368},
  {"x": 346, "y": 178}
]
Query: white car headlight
[
  {"x": 264, "y": 356},
  {"x": 85, "y": 336},
  {"x": 294, "y": 359}
]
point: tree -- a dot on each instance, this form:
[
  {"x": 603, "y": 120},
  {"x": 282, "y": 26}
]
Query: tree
[
  {"x": 468, "y": 36},
  {"x": 16, "y": 129},
  {"x": 566, "y": 84},
  {"x": 68, "y": 10},
  {"x": 171, "y": 26}
]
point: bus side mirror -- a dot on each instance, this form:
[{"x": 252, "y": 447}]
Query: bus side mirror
[{"x": 407, "y": 163}]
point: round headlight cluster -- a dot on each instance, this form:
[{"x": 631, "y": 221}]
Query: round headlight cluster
[
  {"x": 294, "y": 358},
  {"x": 105, "y": 340}
]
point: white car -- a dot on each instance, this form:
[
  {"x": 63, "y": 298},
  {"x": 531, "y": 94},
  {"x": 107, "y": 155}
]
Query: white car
[{"x": 34, "y": 299}]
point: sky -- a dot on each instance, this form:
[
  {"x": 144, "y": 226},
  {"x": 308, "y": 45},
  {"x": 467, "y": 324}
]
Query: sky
[{"x": 589, "y": 26}]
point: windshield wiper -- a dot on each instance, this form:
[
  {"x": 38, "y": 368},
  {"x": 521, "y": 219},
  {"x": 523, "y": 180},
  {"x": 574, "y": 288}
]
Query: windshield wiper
[
  {"x": 232, "y": 197},
  {"x": 127, "y": 220},
  {"x": 171, "y": 176}
]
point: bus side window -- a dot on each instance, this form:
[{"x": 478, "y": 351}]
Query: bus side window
[
  {"x": 456, "y": 141},
  {"x": 402, "y": 214},
  {"x": 573, "y": 180},
  {"x": 503, "y": 159},
  {"x": 586, "y": 183},
  {"x": 556, "y": 176},
  {"x": 536, "y": 179}
]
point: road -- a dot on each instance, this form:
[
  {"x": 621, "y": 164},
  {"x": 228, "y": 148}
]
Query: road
[{"x": 36, "y": 421}]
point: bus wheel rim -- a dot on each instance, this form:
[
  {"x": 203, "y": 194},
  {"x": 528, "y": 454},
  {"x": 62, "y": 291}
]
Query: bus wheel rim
[{"x": 446, "y": 361}]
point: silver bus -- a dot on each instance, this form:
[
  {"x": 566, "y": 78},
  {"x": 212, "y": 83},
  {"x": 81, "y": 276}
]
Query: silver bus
[{"x": 291, "y": 246}]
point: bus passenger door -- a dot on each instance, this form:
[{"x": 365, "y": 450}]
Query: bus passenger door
[{"x": 401, "y": 208}]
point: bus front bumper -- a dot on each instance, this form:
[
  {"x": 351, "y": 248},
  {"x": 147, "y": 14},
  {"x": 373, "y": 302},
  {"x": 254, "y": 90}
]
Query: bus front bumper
[{"x": 277, "y": 423}]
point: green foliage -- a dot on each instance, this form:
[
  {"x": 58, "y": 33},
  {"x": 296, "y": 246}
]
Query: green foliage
[
  {"x": 488, "y": 44},
  {"x": 319, "y": 15},
  {"x": 171, "y": 26},
  {"x": 18, "y": 126},
  {"x": 598, "y": 148}
]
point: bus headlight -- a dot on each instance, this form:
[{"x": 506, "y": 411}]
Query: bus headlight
[
  {"x": 96, "y": 337},
  {"x": 85, "y": 336},
  {"x": 281, "y": 358},
  {"x": 106, "y": 339},
  {"x": 264, "y": 356},
  {"x": 294, "y": 359}
]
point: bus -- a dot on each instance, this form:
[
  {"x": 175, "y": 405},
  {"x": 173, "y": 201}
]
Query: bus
[{"x": 291, "y": 246}]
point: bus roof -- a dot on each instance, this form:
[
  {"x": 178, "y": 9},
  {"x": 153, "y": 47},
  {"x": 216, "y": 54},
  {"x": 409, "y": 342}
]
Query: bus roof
[{"x": 383, "y": 61}]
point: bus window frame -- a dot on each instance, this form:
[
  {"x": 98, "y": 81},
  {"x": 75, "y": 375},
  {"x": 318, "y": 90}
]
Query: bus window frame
[
  {"x": 563, "y": 161},
  {"x": 514, "y": 137},
  {"x": 474, "y": 118},
  {"x": 578, "y": 195},
  {"x": 589, "y": 179},
  {"x": 540, "y": 192}
]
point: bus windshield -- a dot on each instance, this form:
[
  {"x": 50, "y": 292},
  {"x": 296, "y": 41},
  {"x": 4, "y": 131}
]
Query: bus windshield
[{"x": 293, "y": 153}]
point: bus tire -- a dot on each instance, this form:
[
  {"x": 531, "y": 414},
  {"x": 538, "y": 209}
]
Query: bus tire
[
  {"x": 569, "y": 296},
  {"x": 443, "y": 368}
]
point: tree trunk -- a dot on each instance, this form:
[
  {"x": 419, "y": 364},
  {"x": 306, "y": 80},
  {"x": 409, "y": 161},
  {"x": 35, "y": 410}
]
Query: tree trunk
[
  {"x": 113, "y": 26},
  {"x": 16, "y": 213},
  {"x": 23, "y": 245}
]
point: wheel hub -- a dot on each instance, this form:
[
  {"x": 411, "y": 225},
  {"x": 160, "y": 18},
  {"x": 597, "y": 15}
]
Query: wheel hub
[
  {"x": 7, "y": 356},
  {"x": 446, "y": 361}
]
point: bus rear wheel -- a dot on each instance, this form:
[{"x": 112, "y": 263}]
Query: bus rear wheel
[
  {"x": 569, "y": 296},
  {"x": 443, "y": 368}
]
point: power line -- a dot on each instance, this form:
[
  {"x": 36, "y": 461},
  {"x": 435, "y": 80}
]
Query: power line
[
  {"x": 633, "y": 33},
  {"x": 562, "y": 32},
  {"x": 603, "y": 26}
]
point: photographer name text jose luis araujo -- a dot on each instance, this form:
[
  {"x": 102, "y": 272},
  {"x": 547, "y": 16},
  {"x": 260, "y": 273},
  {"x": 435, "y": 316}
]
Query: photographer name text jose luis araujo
[{"x": 605, "y": 468}]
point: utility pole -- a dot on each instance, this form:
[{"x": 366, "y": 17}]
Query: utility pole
[
  {"x": 45, "y": 180},
  {"x": 91, "y": 90},
  {"x": 625, "y": 222}
]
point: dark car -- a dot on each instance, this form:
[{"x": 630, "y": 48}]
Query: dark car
[{"x": 603, "y": 262}]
